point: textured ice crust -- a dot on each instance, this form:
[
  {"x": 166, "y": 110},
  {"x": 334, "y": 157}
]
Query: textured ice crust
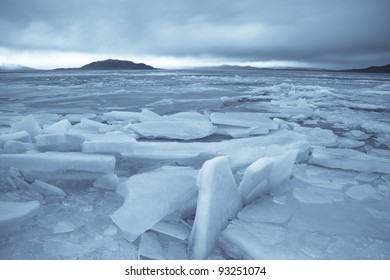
[{"x": 194, "y": 165}]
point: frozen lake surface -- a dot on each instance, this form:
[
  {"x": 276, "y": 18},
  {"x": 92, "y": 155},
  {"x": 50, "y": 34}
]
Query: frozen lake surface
[{"x": 194, "y": 164}]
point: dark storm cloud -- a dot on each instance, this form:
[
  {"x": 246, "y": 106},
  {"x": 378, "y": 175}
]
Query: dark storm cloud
[{"x": 332, "y": 32}]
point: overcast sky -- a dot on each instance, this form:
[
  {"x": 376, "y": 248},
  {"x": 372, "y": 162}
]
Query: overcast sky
[{"x": 178, "y": 33}]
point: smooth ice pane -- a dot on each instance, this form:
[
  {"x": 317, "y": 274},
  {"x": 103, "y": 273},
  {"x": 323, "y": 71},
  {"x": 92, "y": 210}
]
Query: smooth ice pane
[{"x": 151, "y": 196}]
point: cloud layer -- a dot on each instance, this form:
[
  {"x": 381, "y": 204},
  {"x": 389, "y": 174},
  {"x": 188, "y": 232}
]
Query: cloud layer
[{"x": 332, "y": 33}]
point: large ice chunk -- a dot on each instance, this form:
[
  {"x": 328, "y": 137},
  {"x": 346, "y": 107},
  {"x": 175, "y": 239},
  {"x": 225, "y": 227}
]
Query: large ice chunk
[
  {"x": 218, "y": 201},
  {"x": 58, "y": 127},
  {"x": 349, "y": 160},
  {"x": 59, "y": 142},
  {"x": 13, "y": 212},
  {"x": 121, "y": 146},
  {"x": 28, "y": 124},
  {"x": 151, "y": 196},
  {"x": 53, "y": 161}
]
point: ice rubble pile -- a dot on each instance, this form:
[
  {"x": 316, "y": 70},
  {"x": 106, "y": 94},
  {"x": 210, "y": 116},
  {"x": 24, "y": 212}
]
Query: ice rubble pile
[{"x": 185, "y": 195}]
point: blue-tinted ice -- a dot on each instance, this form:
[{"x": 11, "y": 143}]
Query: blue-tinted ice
[{"x": 105, "y": 165}]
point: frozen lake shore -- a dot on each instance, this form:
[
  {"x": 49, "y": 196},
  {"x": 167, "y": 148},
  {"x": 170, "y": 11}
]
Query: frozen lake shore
[{"x": 194, "y": 164}]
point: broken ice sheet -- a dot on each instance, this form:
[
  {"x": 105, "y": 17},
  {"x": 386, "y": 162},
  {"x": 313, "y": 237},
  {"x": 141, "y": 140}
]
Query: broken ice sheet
[{"x": 151, "y": 196}]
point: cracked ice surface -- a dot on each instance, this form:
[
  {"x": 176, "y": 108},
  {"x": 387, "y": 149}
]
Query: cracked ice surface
[{"x": 192, "y": 164}]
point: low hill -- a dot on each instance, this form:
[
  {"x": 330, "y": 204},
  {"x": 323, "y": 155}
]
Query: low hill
[{"x": 115, "y": 64}]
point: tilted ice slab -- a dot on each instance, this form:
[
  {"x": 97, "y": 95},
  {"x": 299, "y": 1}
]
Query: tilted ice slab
[
  {"x": 265, "y": 174},
  {"x": 60, "y": 142},
  {"x": 151, "y": 196},
  {"x": 218, "y": 201},
  {"x": 349, "y": 160},
  {"x": 243, "y": 119},
  {"x": 13, "y": 212},
  {"x": 53, "y": 161}
]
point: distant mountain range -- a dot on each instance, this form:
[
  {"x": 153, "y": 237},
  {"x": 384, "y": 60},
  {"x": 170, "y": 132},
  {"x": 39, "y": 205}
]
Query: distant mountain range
[{"x": 115, "y": 64}]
